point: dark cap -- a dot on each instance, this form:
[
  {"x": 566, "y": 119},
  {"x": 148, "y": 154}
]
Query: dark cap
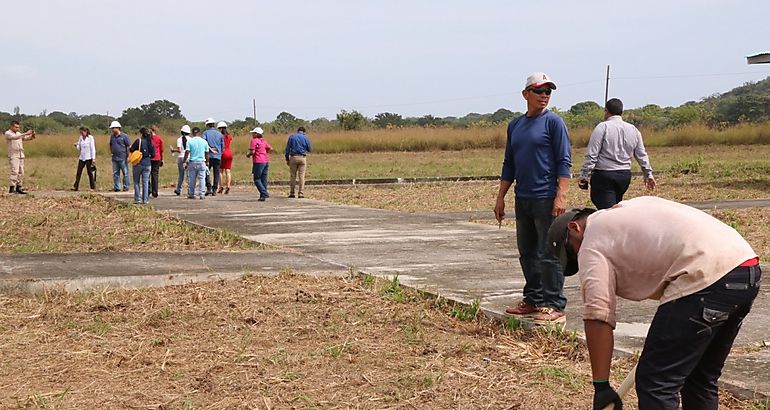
[
  {"x": 558, "y": 235},
  {"x": 301, "y": 129}
]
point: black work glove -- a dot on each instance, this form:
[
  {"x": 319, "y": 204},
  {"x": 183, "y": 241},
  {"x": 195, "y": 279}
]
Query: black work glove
[{"x": 605, "y": 395}]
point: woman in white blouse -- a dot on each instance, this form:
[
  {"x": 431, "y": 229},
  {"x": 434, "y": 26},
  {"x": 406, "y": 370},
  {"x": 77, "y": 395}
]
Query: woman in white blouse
[{"x": 87, "y": 149}]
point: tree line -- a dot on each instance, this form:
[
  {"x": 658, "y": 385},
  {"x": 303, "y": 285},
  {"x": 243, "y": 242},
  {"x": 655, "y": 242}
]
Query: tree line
[{"x": 749, "y": 103}]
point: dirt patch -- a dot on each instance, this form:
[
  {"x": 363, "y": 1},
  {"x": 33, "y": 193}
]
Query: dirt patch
[
  {"x": 283, "y": 342},
  {"x": 93, "y": 223}
]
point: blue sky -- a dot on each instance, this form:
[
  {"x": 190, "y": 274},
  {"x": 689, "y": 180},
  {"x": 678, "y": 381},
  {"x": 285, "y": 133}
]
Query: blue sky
[{"x": 314, "y": 58}]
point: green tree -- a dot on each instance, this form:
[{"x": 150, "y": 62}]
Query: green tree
[
  {"x": 502, "y": 116},
  {"x": 286, "y": 122},
  {"x": 585, "y": 108},
  {"x": 351, "y": 120},
  {"x": 388, "y": 120},
  {"x": 152, "y": 113}
]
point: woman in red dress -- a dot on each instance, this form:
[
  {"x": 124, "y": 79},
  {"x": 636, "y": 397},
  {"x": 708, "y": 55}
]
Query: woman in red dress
[{"x": 227, "y": 160}]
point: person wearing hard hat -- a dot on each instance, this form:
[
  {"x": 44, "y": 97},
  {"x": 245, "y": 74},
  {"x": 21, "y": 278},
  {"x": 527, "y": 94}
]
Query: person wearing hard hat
[
  {"x": 119, "y": 144},
  {"x": 227, "y": 159},
  {"x": 194, "y": 161},
  {"x": 217, "y": 144},
  {"x": 258, "y": 151},
  {"x": 181, "y": 147}
]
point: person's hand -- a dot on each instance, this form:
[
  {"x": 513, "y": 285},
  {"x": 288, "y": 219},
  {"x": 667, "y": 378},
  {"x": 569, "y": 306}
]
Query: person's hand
[
  {"x": 650, "y": 183},
  {"x": 583, "y": 183},
  {"x": 500, "y": 210},
  {"x": 161, "y": 163},
  {"x": 604, "y": 395},
  {"x": 559, "y": 205},
  {"x": 184, "y": 165}
]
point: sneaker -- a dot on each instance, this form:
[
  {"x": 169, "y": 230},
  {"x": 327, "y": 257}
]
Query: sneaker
[
  {"x": 154, "y": 195},
  {"x": 20, "y": 191},
  {"x": 549, "y": 315},
  {"x": 261, "y": 199},
  {"x": 522, "y": 308},
  {"x": 125, "y": 189},
  {"x": 202, "y": 197},
  {"x": 291, "y": 195},
  {"x": 301, "y": 196},
  {"x": 191, "y": 197},
  {"x": 116, "y": 190},
  {"x": 177, "y": 192}
]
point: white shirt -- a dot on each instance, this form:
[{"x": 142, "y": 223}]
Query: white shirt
[
  {"x": 179, "y": 147},
  {"x": 611, "y": 146},
  {"x": 87, "y": 148}
]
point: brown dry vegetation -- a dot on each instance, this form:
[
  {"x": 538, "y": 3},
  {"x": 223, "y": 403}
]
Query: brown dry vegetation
[
  {"x": 282, "y": 342},
  {"x": 93, "y": 223}
]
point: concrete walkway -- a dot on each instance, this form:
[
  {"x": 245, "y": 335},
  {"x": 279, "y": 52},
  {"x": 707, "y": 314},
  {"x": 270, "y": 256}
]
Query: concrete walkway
[{"x": 443, "y": 254}]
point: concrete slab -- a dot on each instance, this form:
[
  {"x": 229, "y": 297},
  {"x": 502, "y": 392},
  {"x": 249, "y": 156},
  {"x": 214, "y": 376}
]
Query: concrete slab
[{"x": 35, "y": 273}]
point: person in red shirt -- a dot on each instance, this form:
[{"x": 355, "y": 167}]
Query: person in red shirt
[
  {"x": 155, "y": 162},
  {"x": 225, "y": 174}
]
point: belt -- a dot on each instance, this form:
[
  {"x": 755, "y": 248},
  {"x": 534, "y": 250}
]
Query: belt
[
  {"x": 297, "y": 155},
  {"x": 749, "y": 263}
]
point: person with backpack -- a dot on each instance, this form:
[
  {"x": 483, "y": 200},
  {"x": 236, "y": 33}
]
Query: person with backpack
[
  {"x": 141, "y": 169},
  {"x": 181, "y": 147}
]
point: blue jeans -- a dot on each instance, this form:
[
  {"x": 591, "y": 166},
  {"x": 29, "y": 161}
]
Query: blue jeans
[
  {"x": 180, "y": 170},
  {"x": 544, "y": 279},
  {"x": 689, "y": 340},
  {"x": 117, "y": 167},
  {"x": 196, "y": 177},
  {"x": 259, "y": 170},
  {"x": 142, "y": 174}
]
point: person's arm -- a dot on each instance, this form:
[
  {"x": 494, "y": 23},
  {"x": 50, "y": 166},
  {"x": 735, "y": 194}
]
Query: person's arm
[
  {"x": 162, "y": 146},
  {"x": 268, "y": 147},
  {"x": 507, "y": 175},
  {"x": 10, "y": 136},
  {"x": 562, "y": 154},
  {"x": 640, "y": 153},
  {"x": 151, "y": 149},
  {"x": 109, "y": 144},
  {"x": 133, "y": 147},
  {"x": 184, "y": 159},
  {"x": 308, "y": 148},
  {"x": 286, "y": 150},
  {"x": 92, "y": 147},
  {"x": 592, "y": 151},
  {"x": 127, "y": 143},
  {"x": 601, "y": 343}
]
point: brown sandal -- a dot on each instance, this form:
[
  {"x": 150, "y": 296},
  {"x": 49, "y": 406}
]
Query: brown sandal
[{"x": 227, "y": 190}]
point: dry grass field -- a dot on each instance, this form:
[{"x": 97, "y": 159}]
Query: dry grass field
[{"x": 287, "y": 342}]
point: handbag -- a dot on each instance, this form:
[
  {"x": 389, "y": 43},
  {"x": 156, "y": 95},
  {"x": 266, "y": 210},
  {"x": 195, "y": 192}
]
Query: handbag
[{"x": 136, "y": 156}]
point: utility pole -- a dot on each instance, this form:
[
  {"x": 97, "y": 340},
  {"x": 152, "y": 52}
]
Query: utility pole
[
  {"x": 254, "y": 102},
  {"x": 607, "y": 86}
]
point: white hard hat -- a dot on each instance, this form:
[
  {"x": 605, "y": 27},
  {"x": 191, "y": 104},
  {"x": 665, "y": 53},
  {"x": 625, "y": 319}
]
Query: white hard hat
[
  {"x": 115, "y": 124},
  {"x": 221, "y": 124},
  {"x": 186, "y": 129},
  {"x": 257, "y": 130},
  {"x": 210, "y": 121}
]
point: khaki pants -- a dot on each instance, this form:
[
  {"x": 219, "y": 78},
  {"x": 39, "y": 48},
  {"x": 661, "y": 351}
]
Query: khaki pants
[
  {"x": 297, "y": 164},
  {"x": 16, "y": 173}
]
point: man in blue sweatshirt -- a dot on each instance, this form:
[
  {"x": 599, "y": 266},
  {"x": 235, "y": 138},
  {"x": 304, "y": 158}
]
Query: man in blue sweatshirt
[{"x": 537, "y": 158}]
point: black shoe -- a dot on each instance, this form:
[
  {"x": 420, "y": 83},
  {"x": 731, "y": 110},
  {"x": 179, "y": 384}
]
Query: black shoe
[
  {"x": 73, "y": 189},
  {"x": 20, "y": 191},
  {"x": 154, "y": 195},
  {"x": 213, "y": 193},
  {"x": 177, "y": 193},
  {"x": 116, "y": 190},
  {"x": 261, "y": 199},
  {"x": 291, "y": 195},
  {"x": 12, "y": 189},
  {"x": 208, "y": 193}
]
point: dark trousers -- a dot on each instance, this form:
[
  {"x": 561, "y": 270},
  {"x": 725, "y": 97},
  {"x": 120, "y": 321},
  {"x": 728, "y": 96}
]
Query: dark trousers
[
  {"x": 544, "y": 280},
  {"x": 608, "y": 187},
  {"x": 689, "y": 340},
  {"x": 214, "y": 165},
  {"x": 90, "y": 170},
  {"x": 154, "y": 174},
  {"x": 259, "y": 171}
]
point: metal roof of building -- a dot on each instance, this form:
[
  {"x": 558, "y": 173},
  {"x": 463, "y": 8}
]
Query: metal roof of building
[{"x": 762, "y": 58}]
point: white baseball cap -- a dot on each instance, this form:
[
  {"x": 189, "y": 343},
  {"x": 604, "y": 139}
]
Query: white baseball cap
[
  {"x": 539, "y": 79},
  {"x": 210, "y": 121},
  {"x": 115, "y": 124},
  {"x": 186, "y": 129},
  {"x": 257, "y": 130},
  {"x": 222, "y": 124}
]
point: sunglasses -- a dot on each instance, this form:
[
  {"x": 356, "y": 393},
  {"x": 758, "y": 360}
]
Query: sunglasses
[{"x": 541, "y": 90}]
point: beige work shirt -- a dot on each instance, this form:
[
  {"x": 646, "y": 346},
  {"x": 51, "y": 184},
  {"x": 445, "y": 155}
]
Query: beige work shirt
[
  {"x": 652, "y": 248},
  {"x": 15, "y": 142}
]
